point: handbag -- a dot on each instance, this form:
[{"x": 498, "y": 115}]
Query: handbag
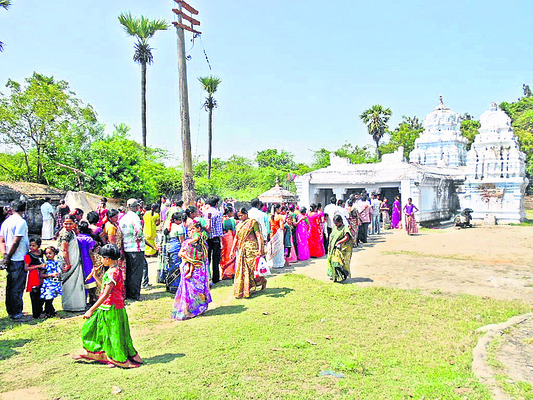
[{"x": 261, "y": 267}]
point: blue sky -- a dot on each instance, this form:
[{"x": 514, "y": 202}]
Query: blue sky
[{"x": 296, "y": 74}]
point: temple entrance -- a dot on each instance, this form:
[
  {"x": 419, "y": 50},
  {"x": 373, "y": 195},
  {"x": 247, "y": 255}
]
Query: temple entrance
[{"x": 390, "y": 193}]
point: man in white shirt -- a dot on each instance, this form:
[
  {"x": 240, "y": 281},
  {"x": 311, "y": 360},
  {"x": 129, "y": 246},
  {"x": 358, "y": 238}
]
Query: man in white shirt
[
  {"x": 134, "y": 246},
  {"x": 329, "y": 212},
  {"x": 47, "y": 211},
  {"x": 14, "y": 244},
  {"x": 260, "y": 217},
  {"x": 376, "y": 206}
]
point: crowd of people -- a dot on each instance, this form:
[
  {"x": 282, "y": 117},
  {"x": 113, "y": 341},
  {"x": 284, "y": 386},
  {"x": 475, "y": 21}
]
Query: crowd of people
[{"x": 100, "y": 261}]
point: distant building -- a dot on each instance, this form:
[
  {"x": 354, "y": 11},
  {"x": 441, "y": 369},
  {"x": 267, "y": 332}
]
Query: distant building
[
  {"x": 438, "y": 179},
  {"x": 495, "y": 182}
]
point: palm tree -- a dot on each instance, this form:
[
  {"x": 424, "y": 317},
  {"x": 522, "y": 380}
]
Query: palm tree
[
  {"x": 5, "y": 5},
  {"x": 142, "y": 29},
  {"x": 376, "y": 119},
  {"x": 210, "y": 85}
]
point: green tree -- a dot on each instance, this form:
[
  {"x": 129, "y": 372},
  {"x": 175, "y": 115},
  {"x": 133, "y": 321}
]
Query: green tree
[
  {"x": 210, "y": 85},
  {"x": 120, "y": 167},
  {"x": 5, "y": 5},
  {"x": 376, "y": 119},
  {"x": 142, "y": 29},
  {"x": 469, "y": 129},
  {"x": 404, "y": 135},
  {"x": 272, "y": 158},
  {"x": 521, "y": 114},
  {"x": 321, "y": 158},
  {"x": 356, "y": 154},
  {"x": 33, "y": 118}
]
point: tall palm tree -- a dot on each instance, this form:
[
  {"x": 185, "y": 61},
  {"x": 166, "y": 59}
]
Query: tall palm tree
[
  {"x": 142, "y": 29},
  {"x": 5, "y": 5},
  {"x": 210, "y": 85},
  {"x": 376, "y": 119}
]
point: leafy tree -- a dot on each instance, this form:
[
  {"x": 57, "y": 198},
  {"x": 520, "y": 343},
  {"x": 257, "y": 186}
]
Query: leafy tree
[
  {"x": 404, "y": 135},
  {"x": 121, "y": 167},
  {"x": 356, "y": 154},
  {"x": 210, "y": 85},
  {"x": 321, "y": 158},
  {"x": 271, "y": 158},
  {"x": 34, "y": 117},
  {"x": 469, "y": 129},
  {"x": 376, "y": 119},
  {"x": 142, "y": 29},
  {"x": 521, "y": 114},
  {"x": 5, "y": 5}
]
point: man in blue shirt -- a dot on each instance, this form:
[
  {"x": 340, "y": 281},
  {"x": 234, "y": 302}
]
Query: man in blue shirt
[
  {"x": 214, "y": 231},
  {"x": 14, "y": 244}
]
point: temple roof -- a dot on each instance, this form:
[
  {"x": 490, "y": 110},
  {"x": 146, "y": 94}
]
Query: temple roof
[
  {"x": 342, "y": 171},
  {"x": 277, "y": 194}
]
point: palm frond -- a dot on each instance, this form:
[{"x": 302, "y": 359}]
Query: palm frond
[
  {"x": 210, "y": 83},
  {"x": 142, "y": 28},
  {"x": 1, "y": 47},
  {"x": 5, "y": 4}
]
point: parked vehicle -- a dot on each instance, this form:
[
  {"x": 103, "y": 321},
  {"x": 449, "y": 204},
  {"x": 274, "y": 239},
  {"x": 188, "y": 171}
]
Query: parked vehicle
[{"x": 464, "y": 218}]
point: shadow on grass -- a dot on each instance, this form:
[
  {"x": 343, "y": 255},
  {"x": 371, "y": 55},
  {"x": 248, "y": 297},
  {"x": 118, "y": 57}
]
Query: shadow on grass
[
  {"x": 7, "y": 347},
  {"x": 276, "y": 292},
  {"x": 156, "y": 293},
  {"x": 163, "y": 358},
  {"x": 224, "y": 310}
]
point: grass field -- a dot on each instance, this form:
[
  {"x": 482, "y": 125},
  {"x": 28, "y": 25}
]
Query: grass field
[{"x": 387, "y": 343}]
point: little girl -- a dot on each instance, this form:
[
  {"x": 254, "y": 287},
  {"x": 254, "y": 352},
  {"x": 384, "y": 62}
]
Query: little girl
[
  {"x": 193, "y": 251},
  {"x": 34, "y": 264},
  {"x": 106, "y": 333},
  {"x": 51, "y": 282}
]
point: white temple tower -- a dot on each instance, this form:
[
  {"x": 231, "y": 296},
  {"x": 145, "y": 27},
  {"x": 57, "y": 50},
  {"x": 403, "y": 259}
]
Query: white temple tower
[
  {"x": 495, "y": 171},
  {"x": 441, "y": 143}
]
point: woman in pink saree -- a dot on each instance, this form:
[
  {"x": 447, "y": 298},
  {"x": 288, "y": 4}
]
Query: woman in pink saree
[
  {"x": 302, "y": 235},
  {"x": 396, "y": 213},
  {"x": 316, "y": 242}
]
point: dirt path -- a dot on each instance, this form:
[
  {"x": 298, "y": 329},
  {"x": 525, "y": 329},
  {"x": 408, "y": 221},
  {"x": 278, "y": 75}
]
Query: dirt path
[{"x": 494, "y": 261}]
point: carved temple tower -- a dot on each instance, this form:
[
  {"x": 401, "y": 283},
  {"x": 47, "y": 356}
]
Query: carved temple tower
[
  {"x": 441, "y": 143},
  {"x": 495, "y": 171}
]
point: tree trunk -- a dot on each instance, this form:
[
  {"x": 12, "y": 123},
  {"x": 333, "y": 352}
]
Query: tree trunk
[
  {"x": 189, "y": 194},
  {"x": 143, "y": 102},
  {"x": 39, "y": 165},
  {"x": 210, "y": 145},
  {"x": 378, "y": 153},
  {"x": 27, "y": 164}
]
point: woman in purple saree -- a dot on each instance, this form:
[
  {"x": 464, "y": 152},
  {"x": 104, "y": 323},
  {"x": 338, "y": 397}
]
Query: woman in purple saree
[{"x": 396, "y": 213}]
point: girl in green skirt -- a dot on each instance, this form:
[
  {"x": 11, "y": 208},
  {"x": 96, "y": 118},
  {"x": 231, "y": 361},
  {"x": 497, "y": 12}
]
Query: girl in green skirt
[{"x": 106, "y": 333}]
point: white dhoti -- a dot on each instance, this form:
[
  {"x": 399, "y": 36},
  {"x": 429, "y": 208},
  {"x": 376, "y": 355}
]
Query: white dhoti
[{"x": 47, "y": 232}]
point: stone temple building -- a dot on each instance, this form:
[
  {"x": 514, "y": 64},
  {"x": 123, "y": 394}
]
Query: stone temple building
[
  {"x": 442, "y": 177},
  {"x": 495, "y": 182}
]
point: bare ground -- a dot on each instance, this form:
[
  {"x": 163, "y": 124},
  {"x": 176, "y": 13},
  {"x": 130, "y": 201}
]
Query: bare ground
[{"x": 492, "y": 261}]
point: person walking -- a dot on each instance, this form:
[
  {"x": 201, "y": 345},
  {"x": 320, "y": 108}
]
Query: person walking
[
  {"x": 14, "y": 244},
  {"x": 134, "y": 246}
]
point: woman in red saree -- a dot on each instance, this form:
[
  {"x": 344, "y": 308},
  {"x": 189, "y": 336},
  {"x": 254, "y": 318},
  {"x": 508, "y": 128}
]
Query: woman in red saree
[
  {"x": 316, "y": 242},
  {"x": 249, "y": 243},
  {"x": 227, "y": 260}
]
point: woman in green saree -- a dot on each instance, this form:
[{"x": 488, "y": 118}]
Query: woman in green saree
[{"x": 340, "y": 251}]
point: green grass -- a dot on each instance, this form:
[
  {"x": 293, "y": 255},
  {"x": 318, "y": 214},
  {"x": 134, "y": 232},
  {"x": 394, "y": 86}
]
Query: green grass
[
  {"x": 388, "y": 343},
  {"x": 528, "y": 221}
]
